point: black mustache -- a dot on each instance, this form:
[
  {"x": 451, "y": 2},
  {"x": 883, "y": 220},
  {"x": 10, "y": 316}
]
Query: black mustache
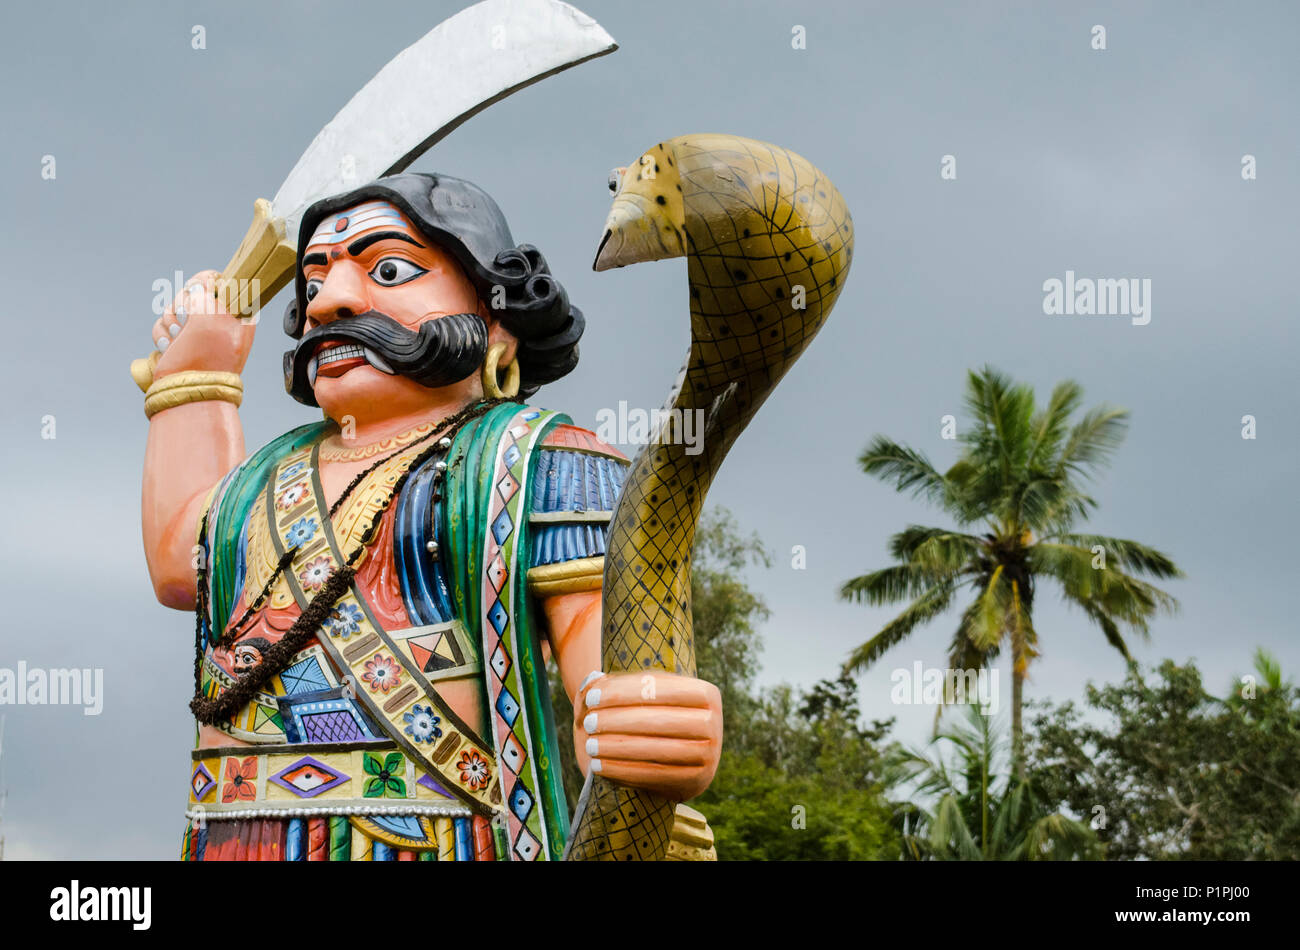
[{"x": 443, "y": 351}]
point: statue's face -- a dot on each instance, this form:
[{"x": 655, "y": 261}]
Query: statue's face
[{"x": 368, "y": 259}]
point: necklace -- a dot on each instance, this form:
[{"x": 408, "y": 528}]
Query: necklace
[
  {"x": 276, "y": 658},
  {"x": 383, "y": 445}
]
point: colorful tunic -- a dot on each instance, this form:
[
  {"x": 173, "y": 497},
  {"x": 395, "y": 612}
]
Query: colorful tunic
[{"x": 352, "y": 751}]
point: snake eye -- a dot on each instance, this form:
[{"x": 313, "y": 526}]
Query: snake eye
[{"x": 615, "y": 180}]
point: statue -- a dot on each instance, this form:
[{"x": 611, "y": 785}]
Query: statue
[{"x": 376, "y": 595}]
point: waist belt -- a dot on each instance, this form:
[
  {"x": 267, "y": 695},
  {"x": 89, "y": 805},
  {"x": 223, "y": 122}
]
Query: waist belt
[{"x": 299, "y": 781}]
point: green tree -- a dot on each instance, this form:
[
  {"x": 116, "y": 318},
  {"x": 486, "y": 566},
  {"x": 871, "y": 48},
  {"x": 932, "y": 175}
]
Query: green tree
[
  {"x": 801, "y": 780},
  {"x": 1016, "y": 494},
  {"x": 967, "y": 813},
  {"x": 1172, "y": 772}
]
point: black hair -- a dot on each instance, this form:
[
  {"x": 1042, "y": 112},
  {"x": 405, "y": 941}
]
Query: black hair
[{"x": 512, "y": 280}]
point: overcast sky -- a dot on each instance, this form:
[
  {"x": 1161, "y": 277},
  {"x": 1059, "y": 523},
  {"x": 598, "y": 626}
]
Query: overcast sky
[{"x": 1122, "y": 163}]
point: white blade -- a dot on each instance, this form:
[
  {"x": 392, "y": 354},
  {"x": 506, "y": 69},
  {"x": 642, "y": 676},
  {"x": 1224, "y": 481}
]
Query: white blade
[{"x": 460, "y": 67}]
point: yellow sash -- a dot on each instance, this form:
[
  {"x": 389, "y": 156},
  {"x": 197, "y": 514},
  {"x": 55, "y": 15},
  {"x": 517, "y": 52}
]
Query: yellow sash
[{"x": 409, "y": 710}]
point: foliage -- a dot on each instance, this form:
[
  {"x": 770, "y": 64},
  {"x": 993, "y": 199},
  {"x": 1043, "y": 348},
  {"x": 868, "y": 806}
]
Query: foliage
[
  {"x": 970, "y": 814},
  {"x": 1175, "y": 773}
]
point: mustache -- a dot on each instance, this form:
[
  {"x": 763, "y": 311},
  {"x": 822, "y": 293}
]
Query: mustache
[{"x": 442, "y": 351}]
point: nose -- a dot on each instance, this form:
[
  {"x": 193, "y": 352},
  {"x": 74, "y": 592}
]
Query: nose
[{"x": 344, "y": 293}]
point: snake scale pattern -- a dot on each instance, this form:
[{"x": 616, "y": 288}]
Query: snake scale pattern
[{"x": 768, "y": 241}]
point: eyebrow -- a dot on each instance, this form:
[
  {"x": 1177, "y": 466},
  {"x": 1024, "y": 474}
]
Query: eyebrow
[
  {"x": 309, "y": 259},
  {"x": 363, "y": 242}
]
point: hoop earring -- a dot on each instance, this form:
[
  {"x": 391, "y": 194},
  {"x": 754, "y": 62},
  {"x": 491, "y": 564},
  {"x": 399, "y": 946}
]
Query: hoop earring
[{"x": 492, "y": 388}]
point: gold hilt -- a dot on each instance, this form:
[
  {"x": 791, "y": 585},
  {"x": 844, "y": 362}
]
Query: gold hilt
[{"x": 260, "y": 269}]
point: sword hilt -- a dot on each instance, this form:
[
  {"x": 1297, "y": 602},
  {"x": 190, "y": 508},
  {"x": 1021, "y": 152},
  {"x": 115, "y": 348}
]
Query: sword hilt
[{"x": 259, "y": 270}]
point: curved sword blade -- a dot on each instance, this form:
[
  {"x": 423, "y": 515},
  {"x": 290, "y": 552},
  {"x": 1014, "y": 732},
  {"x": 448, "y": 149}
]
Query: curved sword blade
[{"x": 457, "y": 69}]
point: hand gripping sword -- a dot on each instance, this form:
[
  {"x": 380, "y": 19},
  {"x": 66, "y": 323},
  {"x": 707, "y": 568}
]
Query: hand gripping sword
[{"x": 458, "y": 69}]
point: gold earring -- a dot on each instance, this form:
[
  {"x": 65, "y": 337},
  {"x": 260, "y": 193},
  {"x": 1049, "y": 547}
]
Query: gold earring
[{"x": 491, "y": 387}]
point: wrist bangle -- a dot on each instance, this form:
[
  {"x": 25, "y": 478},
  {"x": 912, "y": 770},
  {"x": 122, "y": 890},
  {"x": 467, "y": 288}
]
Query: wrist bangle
[{"x": 176, "y": 389}]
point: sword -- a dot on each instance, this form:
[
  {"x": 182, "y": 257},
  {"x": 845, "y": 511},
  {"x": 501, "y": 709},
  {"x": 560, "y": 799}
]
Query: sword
[{"x": 456, "y": 70}]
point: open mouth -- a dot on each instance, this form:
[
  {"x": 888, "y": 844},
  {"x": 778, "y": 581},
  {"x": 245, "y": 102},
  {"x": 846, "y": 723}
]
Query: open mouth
[{"x": 333, "y": 358}]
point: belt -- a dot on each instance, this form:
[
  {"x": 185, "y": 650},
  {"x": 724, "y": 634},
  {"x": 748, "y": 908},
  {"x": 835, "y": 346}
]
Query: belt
[{"x": 308, "y": 780}]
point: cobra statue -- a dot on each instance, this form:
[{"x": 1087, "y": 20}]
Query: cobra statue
[{"x": 768, "y": 242}]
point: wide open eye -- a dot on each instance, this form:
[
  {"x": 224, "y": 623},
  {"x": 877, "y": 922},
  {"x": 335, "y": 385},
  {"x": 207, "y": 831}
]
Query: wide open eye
[
  {"x": 313, "y": 287},
  {"x": 392, "y": 271},
  {"x": 615, "y": 180}
]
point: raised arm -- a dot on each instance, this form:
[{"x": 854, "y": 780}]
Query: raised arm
[{"x": 197, "y": 438}]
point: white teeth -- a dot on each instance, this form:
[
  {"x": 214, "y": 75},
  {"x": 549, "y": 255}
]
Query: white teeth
[
  {"x": 311, "y": 371},
  {"x": 378, "y": 362},
  {"x": 346, "y": 351}
]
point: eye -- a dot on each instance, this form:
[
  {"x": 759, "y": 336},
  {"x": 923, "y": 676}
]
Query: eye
[
  {"x": 615, "y": 180},
  {"x": 392, "y": 271},
  {"x": 313, "y": 287}
]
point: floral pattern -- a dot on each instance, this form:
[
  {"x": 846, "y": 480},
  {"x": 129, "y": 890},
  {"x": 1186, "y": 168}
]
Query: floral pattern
[
  {"x": 387, "y": 778},
  {"x": 474, "y": 770},
  {"x": 382, "y": 673},
  {"x": 241, "y": 784},
  {"x": 314, "y": 575},
  {"x": 300, "y": 532},
  {"x": 343, "y": 620},
  {"x": 423, "y": 724},
  {"x": 291, "y": 496}
]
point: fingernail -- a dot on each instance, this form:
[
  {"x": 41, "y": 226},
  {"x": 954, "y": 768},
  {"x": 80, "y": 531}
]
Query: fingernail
[
  {"x": 589, "y": 724},
  {"x": 174, "y": 329},
  {"x": 593, "y": 747},
  {"x": 593, "y": 675},
  {"x": 182, "y": 315},
  {"x": 162, "y": 343},
  {"x": 593, "y": 698},
  {"x": 595, "y": 765}
]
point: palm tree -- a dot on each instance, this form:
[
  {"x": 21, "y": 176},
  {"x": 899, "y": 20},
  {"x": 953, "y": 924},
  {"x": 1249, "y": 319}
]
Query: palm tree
[
  {"x": 1016, "y": 495},
  {"x": 972, "y": 815}
]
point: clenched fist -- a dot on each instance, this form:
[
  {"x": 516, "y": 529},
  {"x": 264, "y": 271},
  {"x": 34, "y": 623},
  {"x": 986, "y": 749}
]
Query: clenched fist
[
  {"x": 658, "y": 731},
  {"x": 196, "y": 332}
]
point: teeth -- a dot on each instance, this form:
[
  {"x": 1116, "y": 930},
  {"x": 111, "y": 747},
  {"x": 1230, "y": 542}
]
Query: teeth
[
  {"x": 345, "y": 351},
  {"x": 312, "y": 366},
  {"x": 378, "y": 362}
]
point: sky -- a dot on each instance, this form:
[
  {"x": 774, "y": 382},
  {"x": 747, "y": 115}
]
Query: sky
[{"x": 1123, "y": 162}]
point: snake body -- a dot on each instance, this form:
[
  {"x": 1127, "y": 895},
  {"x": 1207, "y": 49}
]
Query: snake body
[{"x": 768, "y": 240}]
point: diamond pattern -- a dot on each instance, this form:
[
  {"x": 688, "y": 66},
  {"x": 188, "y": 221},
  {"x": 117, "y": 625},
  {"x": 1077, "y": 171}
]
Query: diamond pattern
[
  {"x": 527, "y": 846},
  {"x": 498, "y": 616},
  {"x": 521, "y": 802},
  {"x": 500, "y": 662},
  {"x": 502, "y": 526},
  {"x": 308, "y": 777},
  {"x": 201, "y": 782},
  {"x": 507, "y": 707}
]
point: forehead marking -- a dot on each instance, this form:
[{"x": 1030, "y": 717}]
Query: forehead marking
[{"x": 342, "y": 227}]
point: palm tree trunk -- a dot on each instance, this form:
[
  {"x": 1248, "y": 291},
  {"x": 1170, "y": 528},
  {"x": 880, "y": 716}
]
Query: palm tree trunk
[{"x": 1017, "y": 695}]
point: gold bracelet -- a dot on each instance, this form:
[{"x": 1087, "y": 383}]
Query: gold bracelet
[{"x": 176, "y": 389}]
